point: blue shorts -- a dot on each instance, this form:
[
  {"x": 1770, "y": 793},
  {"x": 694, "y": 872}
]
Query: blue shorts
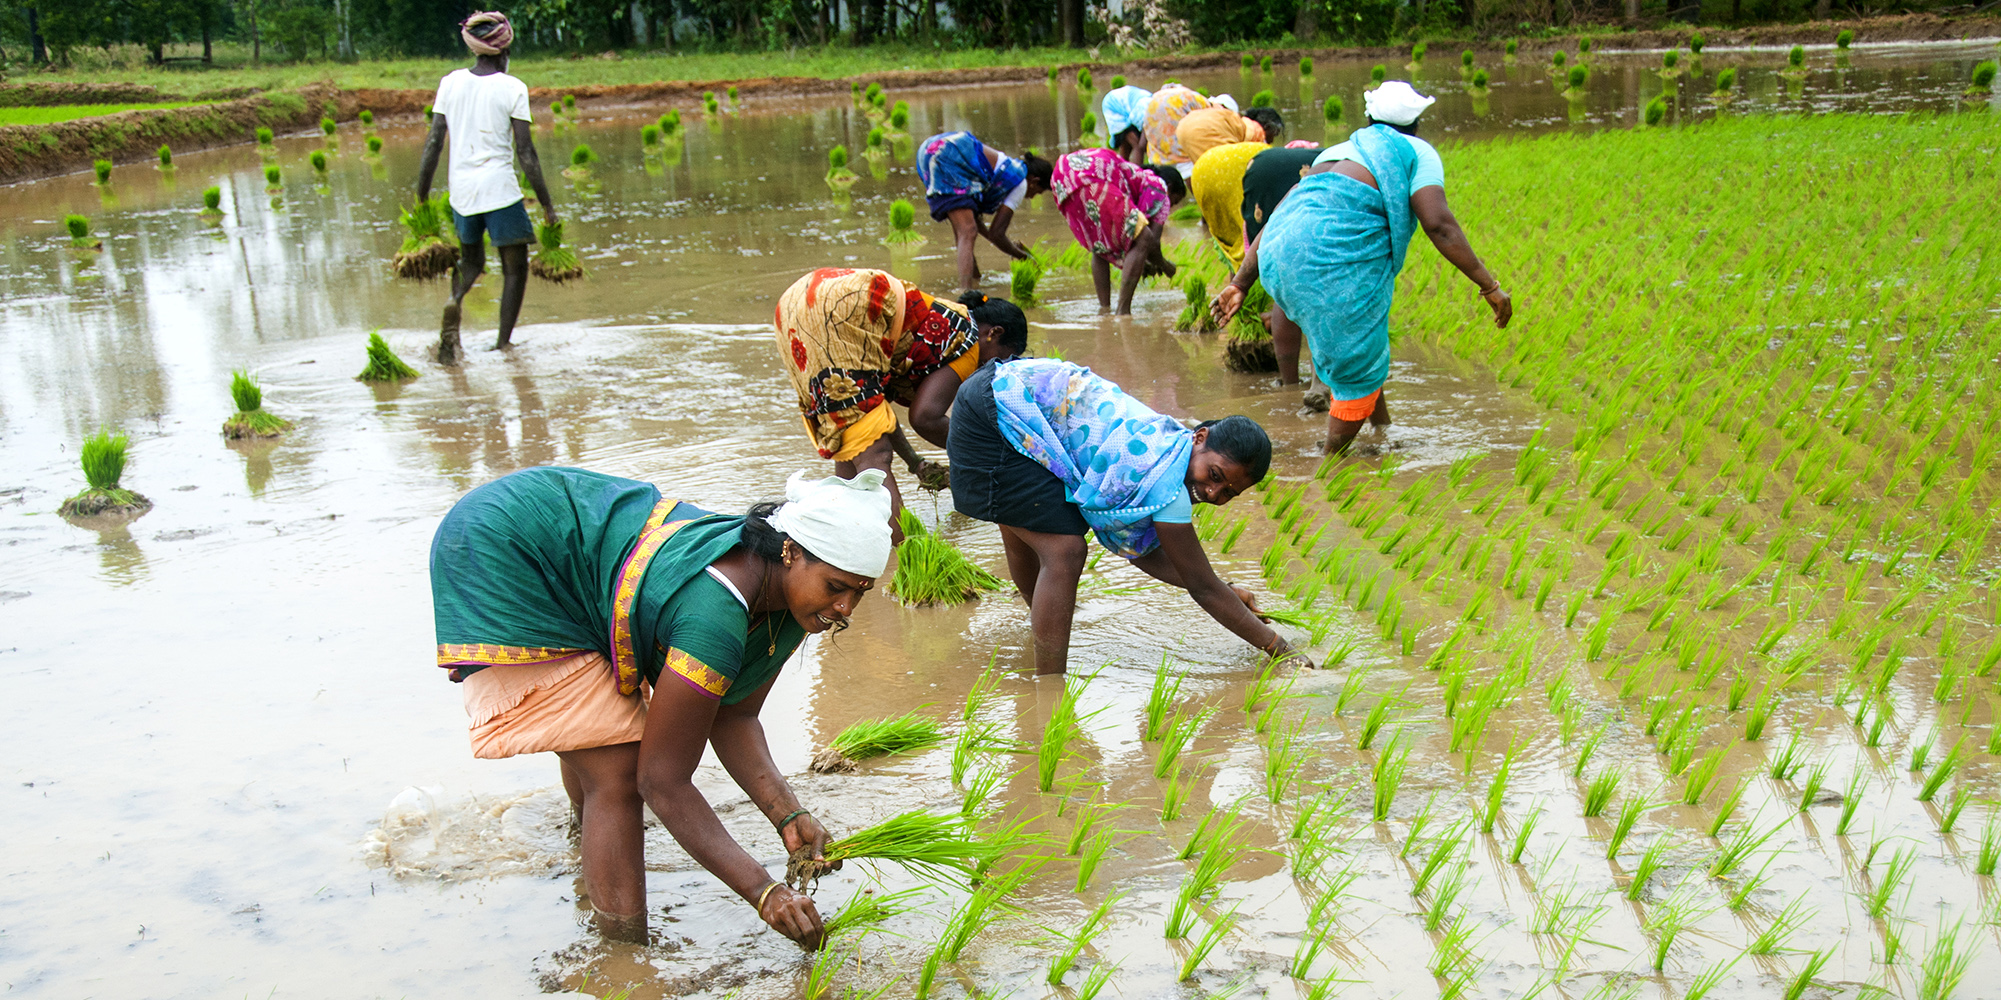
[{"x": 507, "y": 227}]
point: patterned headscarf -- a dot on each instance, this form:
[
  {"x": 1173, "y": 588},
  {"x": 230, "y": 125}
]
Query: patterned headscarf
[{"x": 487, "y": 33}]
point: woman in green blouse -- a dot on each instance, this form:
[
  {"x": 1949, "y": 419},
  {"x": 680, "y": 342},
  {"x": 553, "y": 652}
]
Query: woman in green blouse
[{"x": 588, "y": 616}]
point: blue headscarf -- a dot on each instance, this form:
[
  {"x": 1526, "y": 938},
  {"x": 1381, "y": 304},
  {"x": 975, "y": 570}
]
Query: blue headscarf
[
  {"x": 1120, "y": 462},
  {"x": 1330, "y": 257},
  {"x": 1125, "y": 107}
]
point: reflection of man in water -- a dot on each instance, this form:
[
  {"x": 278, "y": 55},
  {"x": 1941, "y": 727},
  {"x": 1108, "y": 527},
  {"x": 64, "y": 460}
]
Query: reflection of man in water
[{"x": 483, "y": 113}]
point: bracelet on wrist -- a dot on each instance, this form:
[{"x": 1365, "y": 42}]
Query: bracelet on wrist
[
  {"x": 766, "y": 894},
  {"x": 1490, "y": 289},
  {"x": 789, "y": 817}
]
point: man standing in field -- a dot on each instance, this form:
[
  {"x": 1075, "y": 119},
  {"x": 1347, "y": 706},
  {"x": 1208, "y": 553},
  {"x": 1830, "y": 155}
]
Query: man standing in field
[{"x": 483, "y": 113}]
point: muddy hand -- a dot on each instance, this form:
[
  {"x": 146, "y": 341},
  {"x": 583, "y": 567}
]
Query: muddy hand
[
  {"x": 1503, "y": 306},
  {"x": 793, "y": 915},
  {"x": 806, "y": 833},
  {"x": 1225, "y": 304}
]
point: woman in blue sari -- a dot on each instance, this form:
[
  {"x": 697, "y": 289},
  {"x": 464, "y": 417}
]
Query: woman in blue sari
[
  {"x": 965, "y": 181},
  {"x": 1049, "y": 451},
  {"x": 1331, "y": 252}
]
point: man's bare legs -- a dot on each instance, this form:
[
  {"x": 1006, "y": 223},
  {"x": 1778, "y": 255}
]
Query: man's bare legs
[{"x": 1046, "y": 568}]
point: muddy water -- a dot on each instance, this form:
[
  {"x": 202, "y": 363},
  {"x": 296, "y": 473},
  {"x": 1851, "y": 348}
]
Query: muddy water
[{"x": 233, "y": 770}]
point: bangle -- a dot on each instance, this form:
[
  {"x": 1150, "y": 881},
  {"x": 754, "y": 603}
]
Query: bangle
[
  {"x": 766, "y": 894},
  {"x": 1491, "y": 289},
  {"x": 789, "y": 817}
]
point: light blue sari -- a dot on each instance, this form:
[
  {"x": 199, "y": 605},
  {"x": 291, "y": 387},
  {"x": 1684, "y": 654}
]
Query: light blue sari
[{"x": 1330, "y": 257}]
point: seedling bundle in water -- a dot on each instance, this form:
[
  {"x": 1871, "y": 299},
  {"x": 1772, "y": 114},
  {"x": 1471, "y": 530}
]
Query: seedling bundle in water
[
  {"x": 428, "y": 250},
  {"x": 211, "y": 202},
  {"x": 80, "y": 237},
  {"x": 902, "y": 219},
  {"x": 930, "y": 570},
  {"x": 908, "y": 733},
  {"x": 1250, "y": 348},
  {"x": 1023, "y": 276},
  {"x": 250, "y": 420},
  {"x": 839, "y": 177},
  {"x": 103, "y": 460},
  {"x": 383, "y": 364},
  {"x": 553, "y": 261}
]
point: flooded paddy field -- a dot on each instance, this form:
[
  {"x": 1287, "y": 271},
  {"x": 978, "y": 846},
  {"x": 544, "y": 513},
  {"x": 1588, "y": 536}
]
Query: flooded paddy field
[{"x": 1659, "y": 632}]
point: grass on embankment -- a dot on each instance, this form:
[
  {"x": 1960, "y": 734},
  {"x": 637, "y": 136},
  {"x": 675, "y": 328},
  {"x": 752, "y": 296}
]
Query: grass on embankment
[{"x": 71, "y": 112}]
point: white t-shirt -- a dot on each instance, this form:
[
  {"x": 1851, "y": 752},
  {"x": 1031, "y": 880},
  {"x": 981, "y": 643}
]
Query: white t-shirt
[
  {"x": 479, "y": 115},
  {"x": 1016, "y": 195}
]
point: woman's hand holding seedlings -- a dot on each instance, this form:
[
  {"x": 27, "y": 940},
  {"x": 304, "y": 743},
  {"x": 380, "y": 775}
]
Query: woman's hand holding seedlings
[{"x": 793, "y": 914}]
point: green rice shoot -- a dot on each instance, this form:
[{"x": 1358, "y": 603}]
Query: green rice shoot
[
  {"x": 383, "y": 364},
  {"x": 907, "y": 733},
  {"x": 103, "y": 459},
  {"x": 902, "y": 224},
  {"x": 250, "y": 419},
  {"x": 553, "y": 261},
  {"x": 931, "y": 570}
]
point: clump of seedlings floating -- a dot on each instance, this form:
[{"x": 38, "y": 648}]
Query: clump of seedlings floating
[
  {"x": 211, "y": 203},
  {"x": 103, "y": 460},
  {"x": 80, "y": 236},
  {"x": 902, "y": 225},
  {"x": 429, "y": 251},
  {"x": 383, "y": 364},
  {"x": 931, "y": 570},
  {"x": 553, "y": 261},
  {"x": 839, "y": 177},
  {"x": 1023, "y": 276},
  {"x": 166, "y": 154},
  {"x": 871, "y": 738},
  {"x": 250, "y": 419}
]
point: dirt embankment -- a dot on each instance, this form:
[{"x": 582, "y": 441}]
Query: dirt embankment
[
  {"x": 50, "y": 95},
  {"x": 28, "y": 152}
]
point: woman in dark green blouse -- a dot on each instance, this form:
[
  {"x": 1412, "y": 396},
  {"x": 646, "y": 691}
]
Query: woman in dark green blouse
[{"x": 589, "y": 616}]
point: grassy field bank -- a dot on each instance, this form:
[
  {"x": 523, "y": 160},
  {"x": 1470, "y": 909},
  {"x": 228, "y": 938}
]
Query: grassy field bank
[{"x": 71, "y": 112}]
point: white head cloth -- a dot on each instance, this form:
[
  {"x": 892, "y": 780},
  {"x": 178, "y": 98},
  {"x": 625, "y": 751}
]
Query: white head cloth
[
  {"x": 1224, "y": 100},
  {"x": 1395, "y": 103},
  {"x": 843, "y": 522}
]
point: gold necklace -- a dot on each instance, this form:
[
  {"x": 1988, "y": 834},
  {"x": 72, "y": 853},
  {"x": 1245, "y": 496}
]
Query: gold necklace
[{"x": 770, "y": 617}]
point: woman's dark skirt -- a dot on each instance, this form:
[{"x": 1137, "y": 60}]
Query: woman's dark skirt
[{"x": 992, "y": 481}]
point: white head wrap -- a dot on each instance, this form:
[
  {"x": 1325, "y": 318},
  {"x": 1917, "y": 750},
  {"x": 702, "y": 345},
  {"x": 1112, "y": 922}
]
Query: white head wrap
[
  {"x": 1395, "y": 103},
  {"x": 843, "y": 522},
  {"x": 1125, "y": 107},
  {"x": 1224, "y": 100}
]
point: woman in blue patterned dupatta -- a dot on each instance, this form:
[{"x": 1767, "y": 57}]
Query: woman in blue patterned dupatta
[
  {"x": 965, "y": 181},
  {"x": 1331, "y": 252},
  {"x": 1049, "y": 451}
]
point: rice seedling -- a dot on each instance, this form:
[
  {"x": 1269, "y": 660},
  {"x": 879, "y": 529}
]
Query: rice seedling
[
  {"x": 1816, "y": 779},
  {"x": 263, "y": 136},
  {"x": 1497, "y": 788},
  {"x": 250, "y": 419},
  {"x": 103, "y": 460},
  {"x": 1388, "y": 775},
  {"x": 1788, "y": 761},
  {"x": 870, "y": 738},
  {"x": 1948, "y": 818},
  {"x": 1084, "y": 77},
  {"x": 1443, "y": 895},
  {"x": 1175, "y": 796},
  {"x": 211, "y": 202},
  {"x": 1877, "y": 899},
  {"x": 1094, "y": 982},
  {"x": 1739, "y": 847},
  {"x": 1447, "y": 852},
  {"x": 1650, "y": 862},
  {"x": 1091, "y": 856},
  {"x": 1726, "y": 85},
  {"x": 867, "y": 908},
  {"x": 1945, "y": 963},
  {"x": 1708, "y": 979},
  {"x": 1772, "y": 939},
  {"x": 931, "y": 570},
  {"x": 427, "y": 251},
  {"x": 383, "y": 364},
  {"x": 166, "y": 154},
  {"x": 1947, "y": 766},
  {"x": 80, "y": 237},
  {"x": 553, "y": 261},
  {"x": 1851, "y": 798},
  {"x": 1761, "y": 713},
  {"x": 1669, "y": 918},
  {"x": 1598, "y": 794},
  {"x": 1206, "y": 944},
  {"x": 979, "y": 788},
  {"x": 826, "y": 963},
  {"x": 1797, "y": 986},
  {"x": 1179, "y": 734},
  {"x": 1285, "y": 758},
  {"x": 839, "y": 176},
  {"x": 274, "y": 179},
  {"x": 1982, "y": 80},
  {"x": 1622, "y": 827},
  {"x": 1063, "y": 726},
  {"x": 318, "y": 159},
  {"x": 374, "y": 145},
  {"x": 1076, "y": 941},
  {"x": 940, "y": 847},
  {"x": 367, "y": 118},
  {"x": 1702, "y": 777},
  {"x": 103, "y": 171}
]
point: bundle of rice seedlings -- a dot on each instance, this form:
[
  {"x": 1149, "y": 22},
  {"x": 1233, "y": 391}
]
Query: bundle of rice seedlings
[
  {"x": 103, "y": 460},
  {"x": 103, "y": 169},
  {"x": 1263, "y": 99},
  {"x": 211, "y": 202},
  {"x": 318, "y": 159},
  {"x": 581, "y": 159},
  {"x": 569, "y": 102},
  {"x": 556, "y": 111},
  {"x": 902, "y": 219},
  {"x": 1508, "y": 51},
  {"x": 874, "y": 148},
  {"x": 1250, "y": 347},
  {"x": 1084, "y": 78},
  {"x": 839, "y": 177},
  {"x": 1983, "y": 78},
  {"x": 250, "y": 420},
  {"x": 942, "y": 848},
  {"x": 1480, "y": 82},
  {"x": 1695, "y": 43},
  {"x": 1795, "y": 62},
  {"x": 1087, "y": 132},
  {"x": 1579, "y": 76},
  {"x": 1023, "y": 275},
  {"x": 263, "y": 136},
  {"x": 1726, "y": 84},
  {"x": 1195, "y": 314},
  {"x": 80, "y": 236},
  {"x": 1332, "y": 109},
  {"x": 274, "y": 179},
  {"x": 367, "y": 118},
  {"x": 375, "y": 145},
  {"x": 1264, "y": 64},
  {"x": 166, "y": 157},
  {"x": 899, "y": 119},
  {"x": 907, "y": 733},
  {"x": 1377, "y": 74},
  {"x": 1417, "y": 54},
  {"x": 670, "y": 123},
  {"x": 428, "y": 250},
  {"x": 553, "y": 261},
  {"x": 383, "y": 364},
  {"x": 709, "y": 105},
  {"x": 1305, "y": 65},
  {"x": 733, "y": 99},
  {"x": 1845, "y": 39},
  {"x": 649, "y": 136},
  {"x": 930, "y": 570}
]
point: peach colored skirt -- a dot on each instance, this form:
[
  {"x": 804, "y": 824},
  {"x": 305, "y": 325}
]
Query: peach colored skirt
[{"x": 567, "y": 704}]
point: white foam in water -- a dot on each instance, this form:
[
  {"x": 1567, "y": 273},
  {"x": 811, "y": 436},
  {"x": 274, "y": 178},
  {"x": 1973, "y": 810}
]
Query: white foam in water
[{"x": 424, "y": 834}]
